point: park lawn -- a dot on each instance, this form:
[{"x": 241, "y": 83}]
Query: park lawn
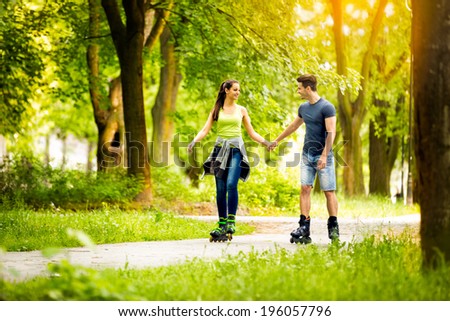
[
  {"x": 27, "y": 230},
  {"x": 375, "y": 269}
]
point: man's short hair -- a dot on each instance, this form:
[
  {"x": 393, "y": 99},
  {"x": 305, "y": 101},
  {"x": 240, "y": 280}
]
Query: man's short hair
[{"x": 308, "y": 80}]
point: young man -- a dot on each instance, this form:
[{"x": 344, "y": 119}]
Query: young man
[{"x": 319, "y": 116}]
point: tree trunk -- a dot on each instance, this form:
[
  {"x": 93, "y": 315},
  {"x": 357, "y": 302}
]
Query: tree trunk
[
  {"x": 353, "y": 177},
  {"x": 382, "y": 153},
  {"x": 379, "y": 176},
  {"x": 47, "y": 150},
  {"x": 63, "y": 151},
  {"x": 90, "y": 150},
  {"x": 129, "y": 42},
  {"x": 111, "y": 142},
  {"x": 165, "y": 104},
  {"x": 107, "y": 118},
  {"x": 431, "y": 74}
]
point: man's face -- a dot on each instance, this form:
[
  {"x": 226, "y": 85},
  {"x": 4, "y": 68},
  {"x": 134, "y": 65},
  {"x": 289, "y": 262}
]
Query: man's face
[{"x": 302, "y": 91}]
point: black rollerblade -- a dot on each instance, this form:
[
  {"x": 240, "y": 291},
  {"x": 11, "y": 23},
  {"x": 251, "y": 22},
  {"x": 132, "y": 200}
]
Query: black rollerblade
[
  {"x": 231, "y": 226},
  {"x": 301, "y": 234},
  {"x": 219, "y": 234},
  {"x": 333, "y": 229}
]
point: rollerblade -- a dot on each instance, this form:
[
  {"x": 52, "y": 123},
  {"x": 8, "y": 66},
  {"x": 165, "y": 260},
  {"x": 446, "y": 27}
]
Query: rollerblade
[
  {"x": 219, "y": 234},
  {"x": 301, "y": 234},
  {"x": 231, "y": 227},
  {"x": 333, "y": 229}
]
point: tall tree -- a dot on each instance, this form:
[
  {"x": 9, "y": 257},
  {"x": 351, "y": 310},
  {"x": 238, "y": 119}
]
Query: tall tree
[
  {"x": 165, "y": 105},
  {"x": 129, "y": 40},
  {"x": 108, "y": 116},
  {"x": 383, "y": 148},
  {"x": 353, "y": 111},
  {"x": 388, "y": 111},
  {"x": 431, "y": 71}
]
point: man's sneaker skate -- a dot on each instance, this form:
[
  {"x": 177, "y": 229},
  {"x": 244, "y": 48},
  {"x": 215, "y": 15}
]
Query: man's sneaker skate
[
  {"x": 301, "y": 234},
  {"x": 219, "y": 234},
  {"x": 231, "y": 226},
  {"x": 333, "y": 229}
]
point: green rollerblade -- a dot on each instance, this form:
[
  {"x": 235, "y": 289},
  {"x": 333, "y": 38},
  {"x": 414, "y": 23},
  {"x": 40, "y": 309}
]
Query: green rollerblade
[
  {"x": 231, "y": 226},
  {"x": 219, "y": 234}
]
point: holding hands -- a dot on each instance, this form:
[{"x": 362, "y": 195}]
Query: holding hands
[{"x": 271, "y": 145}]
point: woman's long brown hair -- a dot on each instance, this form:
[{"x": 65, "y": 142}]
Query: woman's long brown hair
[{"x": 227, "y": 84}]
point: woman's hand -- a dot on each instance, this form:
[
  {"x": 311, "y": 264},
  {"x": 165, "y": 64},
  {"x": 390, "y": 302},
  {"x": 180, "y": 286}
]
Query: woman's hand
[{"x": 191, "y": 146}]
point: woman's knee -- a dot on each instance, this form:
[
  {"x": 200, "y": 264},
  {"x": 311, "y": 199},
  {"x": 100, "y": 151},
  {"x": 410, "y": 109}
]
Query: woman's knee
[{"x": 231, "y": 187}]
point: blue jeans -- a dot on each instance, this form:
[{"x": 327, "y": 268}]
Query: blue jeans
[
  {"x": 327, "y": 176},
  {"x": 228, "y": 185}
]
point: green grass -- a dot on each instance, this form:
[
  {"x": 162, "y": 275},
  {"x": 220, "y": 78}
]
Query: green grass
[
  {"x": 387, "y": 269},
  {"x": 26, "y": 230},
  {"x": 372, "y": 206},
  {"x": 362, "y": 207},
  {"x": 23, "y": 229},
  {"x": 268, "y": 192}
]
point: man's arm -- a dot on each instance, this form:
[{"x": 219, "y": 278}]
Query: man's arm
[
  {"x": 330, "y": 126},
  {"x": 296, "y": 123}
]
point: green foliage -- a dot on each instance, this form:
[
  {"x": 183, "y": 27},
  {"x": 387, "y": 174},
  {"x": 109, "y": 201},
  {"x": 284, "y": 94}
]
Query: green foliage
[
  {"x": 270, "y": 188},
  {"x": 85, "y": 284},
  {"x": 26, "y": 230},
  {"x": 25, "y": 180},
  {"x": 384, "y": 270},
  {"x": 245, "y": 41},
  {"x": 22, "y": 62},
  {"x": 269, "y": 191}
]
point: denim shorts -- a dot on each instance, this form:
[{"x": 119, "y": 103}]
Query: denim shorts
[{"x": 327, "y": 176}]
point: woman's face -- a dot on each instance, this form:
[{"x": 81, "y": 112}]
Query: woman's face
[{"x": 233, "y": 92}]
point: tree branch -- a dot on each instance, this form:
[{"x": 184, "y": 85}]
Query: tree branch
[
  {"x": 365, "y": 68},
  {"x": 115, "y": 22},
  {"x": 162, "y": 15}
]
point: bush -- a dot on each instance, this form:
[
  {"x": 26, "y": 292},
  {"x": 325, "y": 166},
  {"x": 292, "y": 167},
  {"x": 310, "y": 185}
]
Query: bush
[{"x": 27, "y": 181}]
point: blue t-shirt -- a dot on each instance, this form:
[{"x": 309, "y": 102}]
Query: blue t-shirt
[{"x": 314, "y": 117}]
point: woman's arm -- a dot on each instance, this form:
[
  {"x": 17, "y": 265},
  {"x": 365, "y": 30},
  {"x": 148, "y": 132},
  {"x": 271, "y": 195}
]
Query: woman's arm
[
  {"x": 249, "y": 128},
  {"x": 201, "y": 134}
]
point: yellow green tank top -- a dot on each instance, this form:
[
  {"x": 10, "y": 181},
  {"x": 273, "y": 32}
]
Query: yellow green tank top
[{"x": 229, "y": 125}]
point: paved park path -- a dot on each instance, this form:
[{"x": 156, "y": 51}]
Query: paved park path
[{"x": 271, "y": 233}]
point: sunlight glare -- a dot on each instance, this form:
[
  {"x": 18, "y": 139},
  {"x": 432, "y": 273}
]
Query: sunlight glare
[
  {"x": 303, "y": 14},
  {"x": 329, "y": 21},
  {"x": 346, "y": 30},
  {"x": 389, "y": 10},
  {"x": 318, "y": 7},
  {"x": 349, "y": 8}
]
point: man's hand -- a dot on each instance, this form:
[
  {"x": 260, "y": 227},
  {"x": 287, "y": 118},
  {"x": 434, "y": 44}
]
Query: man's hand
[{"x": 322, "y": 162}]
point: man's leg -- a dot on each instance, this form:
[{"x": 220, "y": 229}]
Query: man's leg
[
  {"x": 305, "y": 200},
  {"x": 308, "y": 173},
  {"x": 332, "y": 203},
  {"x": 327, "y": 178}
]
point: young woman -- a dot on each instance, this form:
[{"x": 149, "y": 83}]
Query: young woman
[{"x": 228, "y": 161}]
